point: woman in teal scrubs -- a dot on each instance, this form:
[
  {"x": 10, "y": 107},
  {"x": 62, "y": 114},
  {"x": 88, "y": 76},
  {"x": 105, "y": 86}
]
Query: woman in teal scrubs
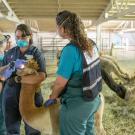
[{"x": 76, "y": 114}]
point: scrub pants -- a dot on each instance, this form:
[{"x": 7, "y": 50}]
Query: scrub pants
[
  {"x": 77, "y": 116},
  {"x": 2, "y": 121},
  {"x": 11, "y": 111}
]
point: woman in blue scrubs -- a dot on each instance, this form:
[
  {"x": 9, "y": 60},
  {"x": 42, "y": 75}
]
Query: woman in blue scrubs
[{"x": 11, "y": 91}]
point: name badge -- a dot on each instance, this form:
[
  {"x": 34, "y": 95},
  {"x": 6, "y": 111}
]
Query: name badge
[
  {"x": 28, "y": 57},
  {"x": 90, "y": 59}
]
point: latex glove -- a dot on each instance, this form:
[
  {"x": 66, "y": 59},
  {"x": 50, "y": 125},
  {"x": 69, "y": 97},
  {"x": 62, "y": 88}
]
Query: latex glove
[
  {"x": 7, "y": 72},
  {"x": 19, "y": 63},
  {"x": 50, "y": 102},
  {"x": 12, "y": 64}
]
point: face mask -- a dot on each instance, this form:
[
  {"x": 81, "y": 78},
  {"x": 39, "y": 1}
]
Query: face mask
[
  {"x": 1, "y": 57},
  {"x": 22, "y": 43}
]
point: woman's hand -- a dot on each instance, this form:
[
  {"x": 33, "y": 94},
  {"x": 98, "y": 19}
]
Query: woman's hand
[
  {"x": 5, "y": 74},
  {"x": 4, "y": 68},
  {"x": 50, "y": 102}
]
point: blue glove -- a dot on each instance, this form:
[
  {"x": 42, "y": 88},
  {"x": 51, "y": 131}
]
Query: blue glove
[
  {"x": 7, "y": 72},
  {"x": 50, "y": 102},
  {"x": 19, "y": 63},
  {"x": 12, "y": 64}
]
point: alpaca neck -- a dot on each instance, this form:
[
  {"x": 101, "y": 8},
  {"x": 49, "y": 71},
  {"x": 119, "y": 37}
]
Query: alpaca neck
[
  {"x": 36, "y": 117},
  {"x": 26, "y": 102}
]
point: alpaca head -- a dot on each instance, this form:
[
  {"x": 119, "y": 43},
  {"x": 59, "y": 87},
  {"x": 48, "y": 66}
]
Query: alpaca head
[{"x": 30, "y": 68}]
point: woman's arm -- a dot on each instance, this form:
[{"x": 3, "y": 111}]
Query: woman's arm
[
  {"x": 3, "y": 68},
  {"x": 1, "y": 85},
  {"x": 33, "y": 79},
  {"x": 65, "y": 69},
  {"x": 58, "y": 87}
]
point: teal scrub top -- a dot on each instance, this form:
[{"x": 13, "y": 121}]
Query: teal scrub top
[{"x": 70, "y": 61}]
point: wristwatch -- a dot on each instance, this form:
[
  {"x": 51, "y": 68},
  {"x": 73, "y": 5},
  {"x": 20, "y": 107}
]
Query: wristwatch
[{"x": 18, "y": 79}]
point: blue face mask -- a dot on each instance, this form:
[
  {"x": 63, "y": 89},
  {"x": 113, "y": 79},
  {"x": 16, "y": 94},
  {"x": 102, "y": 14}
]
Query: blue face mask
[
  {"x": 22, "y": 43},
  {"x": 1, "y": 57}
]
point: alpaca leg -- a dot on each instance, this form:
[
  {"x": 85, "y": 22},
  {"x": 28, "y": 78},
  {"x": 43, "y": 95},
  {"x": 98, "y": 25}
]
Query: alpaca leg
[
  {"x": 113, "y": 61},
  {"x": 111, "y": 64},
  {"x": 98, "y": 118},
  {"x": 116, "y": 64},
  {"x": 54, "y": 116},
  {"x": 120, "y": 75}
]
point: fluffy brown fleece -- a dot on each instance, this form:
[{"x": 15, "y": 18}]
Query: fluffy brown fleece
[{"x": 41, "y": 118}]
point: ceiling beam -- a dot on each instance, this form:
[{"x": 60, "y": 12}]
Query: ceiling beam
[
  {"x": 27, "y": 14},
  {"x": 102, "y": 16},
  {"x": 91, "y": 17},
  {"x": 10, "y": 18},
  {"x": 119, "y": 26},
  {"x": 121, "y": 13},
  {"x": 55, "y": 12},
  {"x": 36, "y": 7},
  {"x": 62, "y": 0},
  {"x": 11, "y": 12},
  {"x": 83, "y": 7},
  {"x": 46, "y": 9},
  {"x": 31, "y": 2},
  {"x": 128, "y": 17},
  {"x": 33, "y": 24},
  {"x": 95, "y": 2}
]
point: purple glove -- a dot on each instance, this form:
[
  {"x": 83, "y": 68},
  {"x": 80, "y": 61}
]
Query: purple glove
[
  {"x": 7, "y": 72},
  {"x": 50, "y": 102},
  {"x": 19, "y": 63},
  {"x": 12, "y": 64}
]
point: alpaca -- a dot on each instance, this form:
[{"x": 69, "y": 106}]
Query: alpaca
[
  {"x": 111, "y": 66},
  {"x": 40, "y": 118},
  {"x": 45, "y": 119}
]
